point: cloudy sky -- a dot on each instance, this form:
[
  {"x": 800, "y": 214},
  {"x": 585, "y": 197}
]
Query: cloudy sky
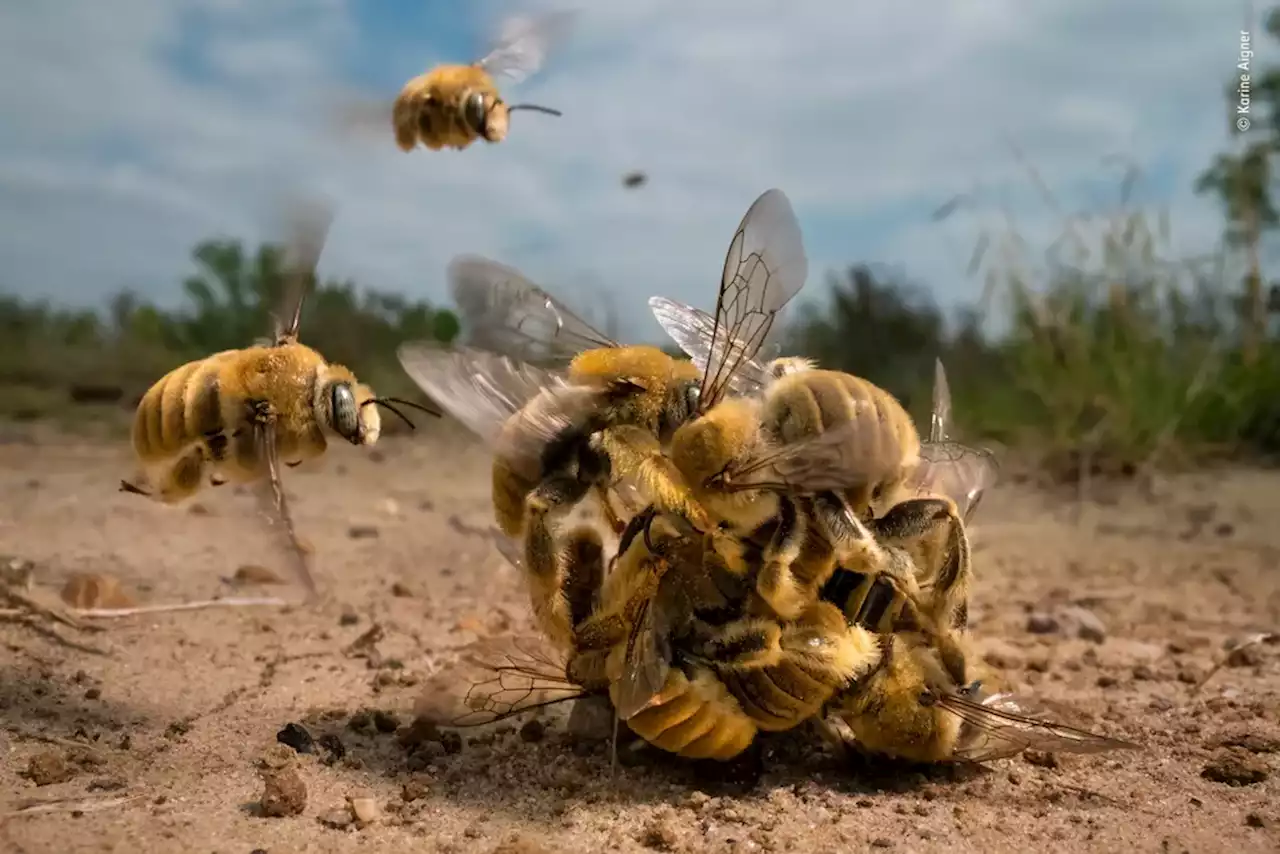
[{"x": 135, "y": 128}]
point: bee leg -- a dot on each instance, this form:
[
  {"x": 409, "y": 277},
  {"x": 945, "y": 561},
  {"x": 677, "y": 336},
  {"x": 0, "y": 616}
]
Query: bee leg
[
  {"x": 746, "y": 644},
  {"x": 932, "y": 531},
  {"x": 542, "y": 559},
  {"x": 606, "y": 509},
  {"x": 583, "y": 574},
  {"x": 777, "y": 584},
  {"x": 636, "y": 453}
]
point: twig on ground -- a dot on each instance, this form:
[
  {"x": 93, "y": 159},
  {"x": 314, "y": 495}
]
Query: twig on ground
[
  {"x": 1251, "y": 640},
  {"x": 79, "y": 804},
  {"x": 234, "y": 602}
]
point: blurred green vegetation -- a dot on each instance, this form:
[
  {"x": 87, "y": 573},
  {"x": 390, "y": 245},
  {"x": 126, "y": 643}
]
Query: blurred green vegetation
[
  {"x": 1108, "y": 349},
  {"x": 51, "y": 357}
]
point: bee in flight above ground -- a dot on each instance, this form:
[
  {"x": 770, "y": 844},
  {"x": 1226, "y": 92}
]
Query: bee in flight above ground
[
  {"x": 454, "y": 105},
  {"x": 235, "y": 415},
  {"x": 610, "y": 416}
]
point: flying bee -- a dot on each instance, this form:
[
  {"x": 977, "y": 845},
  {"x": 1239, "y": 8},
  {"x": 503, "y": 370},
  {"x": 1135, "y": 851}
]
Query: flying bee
[
  {"x": 454, "y": 105},
  {"x": 610, "y": 415},
  {"x": 235, "y": 415}
]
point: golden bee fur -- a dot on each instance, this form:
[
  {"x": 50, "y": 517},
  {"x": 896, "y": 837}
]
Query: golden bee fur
[{"x": 198, "y": 419}]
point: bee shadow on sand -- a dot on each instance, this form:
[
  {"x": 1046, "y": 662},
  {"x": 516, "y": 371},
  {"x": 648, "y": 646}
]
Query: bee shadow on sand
[{"x": 541, "y": 769}]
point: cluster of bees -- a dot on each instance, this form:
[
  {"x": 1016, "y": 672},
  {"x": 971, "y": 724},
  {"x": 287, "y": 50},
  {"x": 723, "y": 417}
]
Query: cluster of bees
[
  {"x": 775, "y": 544},
  {"x": 788, "y": 550}
]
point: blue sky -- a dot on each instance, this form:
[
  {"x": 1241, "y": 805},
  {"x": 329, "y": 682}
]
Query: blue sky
[{"x": 135, "y": 128}]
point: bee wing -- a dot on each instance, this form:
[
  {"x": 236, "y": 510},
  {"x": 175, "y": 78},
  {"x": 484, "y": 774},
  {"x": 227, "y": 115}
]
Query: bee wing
[
  {"x": 956, "y": 471},
  {"x": 480, "y": 389},
  {"x": 309, "y": 223},
  {"x": 508, "y": 314},
  {"x": 999, "y": 727},
  {"x": 693, "y": 330},
  {"x": 940, "y": 416},
  {"x": 764, "y": 268},
  {"x": 831, "y": 460},
  {"x": 523, "y": 44},
  {"x": 646, "y": 665},
  {"x": 500, "y": 683}
]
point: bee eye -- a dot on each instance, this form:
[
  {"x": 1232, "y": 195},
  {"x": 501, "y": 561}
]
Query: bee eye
[
  {"x": 474, "y": 111},
  {"x": 345, "y": 416},
  {"x": 692, "y": 394}
]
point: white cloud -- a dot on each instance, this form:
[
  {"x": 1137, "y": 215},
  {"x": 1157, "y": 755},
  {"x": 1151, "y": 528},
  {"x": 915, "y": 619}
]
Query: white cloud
[{"x": 868, "y": 116}]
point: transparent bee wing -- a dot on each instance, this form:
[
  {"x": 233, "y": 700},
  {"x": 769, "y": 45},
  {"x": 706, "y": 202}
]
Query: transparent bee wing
[
  {"x": 480, "y": 389},
  {"x": 693, "y": 330},
  {"x": 764, "y": 268},
  {"x": 955, "y": 471},
  {"x": 509, "y": 548},
  {"x": 998, "y": 727},
  {"x": 503, "y": 678},
  {"x": 940, "y": 417},
  {"x": 832, "y": 460},
  {"x": 646, "y": 668},
  {"x": 309, "y": 223},
  {"x": 506, "y": 313},
  {"x": 523, "y": 44},
  {"x": 947, "y": 468}
]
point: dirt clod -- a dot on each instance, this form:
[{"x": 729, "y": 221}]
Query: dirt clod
[
  {"x": 283, "y": 793},
  {"x": 414, "y": 790},
  {"x": 48, "y": 767},
  {"x": 660, "y": 834},
  {"x": 252, "y": 573},
  {"x": 1236, "y": 767},
  {"x": 385, "y": 722},
  {"x": 96, "y": 590},
  {"x": 1042, "y": 624},
  {"x": 363, "y": 532},
  {"x": 533, "y": 731},
  {"x": 333, "y": 747}
]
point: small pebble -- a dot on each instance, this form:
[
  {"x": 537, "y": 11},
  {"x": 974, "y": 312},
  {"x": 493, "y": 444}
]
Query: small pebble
[
  {"x": 533, "y": 731},
  {"x": 363, "y": 532},
  {"x": 365, "y": 809},
  {"x": 296, "y": 736},
  {"x": 1042, "y": 624}
]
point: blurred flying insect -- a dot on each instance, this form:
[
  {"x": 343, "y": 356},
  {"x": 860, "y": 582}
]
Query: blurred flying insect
[
  {"x": 235, "y": 415},
  {"x": 454, "y": 105},
  {"x": 610, "y": 416}
]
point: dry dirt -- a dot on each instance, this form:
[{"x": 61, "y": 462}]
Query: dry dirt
[{"x": 152, "y": 742}]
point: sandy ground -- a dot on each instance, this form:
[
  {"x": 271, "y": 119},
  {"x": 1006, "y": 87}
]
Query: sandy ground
[{"x": 155, "y": 738}]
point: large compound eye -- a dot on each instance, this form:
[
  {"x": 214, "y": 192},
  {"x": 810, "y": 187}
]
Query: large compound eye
[
  {"x": 692, "y": 394},
  {"x": 473, "y": 111},
  {"x": 346, "y": 416}
]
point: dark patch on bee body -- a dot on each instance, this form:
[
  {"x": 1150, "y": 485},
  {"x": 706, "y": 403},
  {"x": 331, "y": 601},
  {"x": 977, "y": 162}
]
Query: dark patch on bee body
[
  {"x": 876, "y": 603},
  {"x": 206, "y": 414}
]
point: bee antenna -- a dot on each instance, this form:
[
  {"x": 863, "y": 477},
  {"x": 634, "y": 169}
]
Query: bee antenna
[
  {"x": 547, "y": 110},
  {"x": 386, "y": 402}
]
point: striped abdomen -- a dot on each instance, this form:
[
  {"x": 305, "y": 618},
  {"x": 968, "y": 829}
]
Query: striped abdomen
[
  {"x": 182, "y": 408},
  {"x": 695, "y": 718},
  {"x": 809, "y": 403}
]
